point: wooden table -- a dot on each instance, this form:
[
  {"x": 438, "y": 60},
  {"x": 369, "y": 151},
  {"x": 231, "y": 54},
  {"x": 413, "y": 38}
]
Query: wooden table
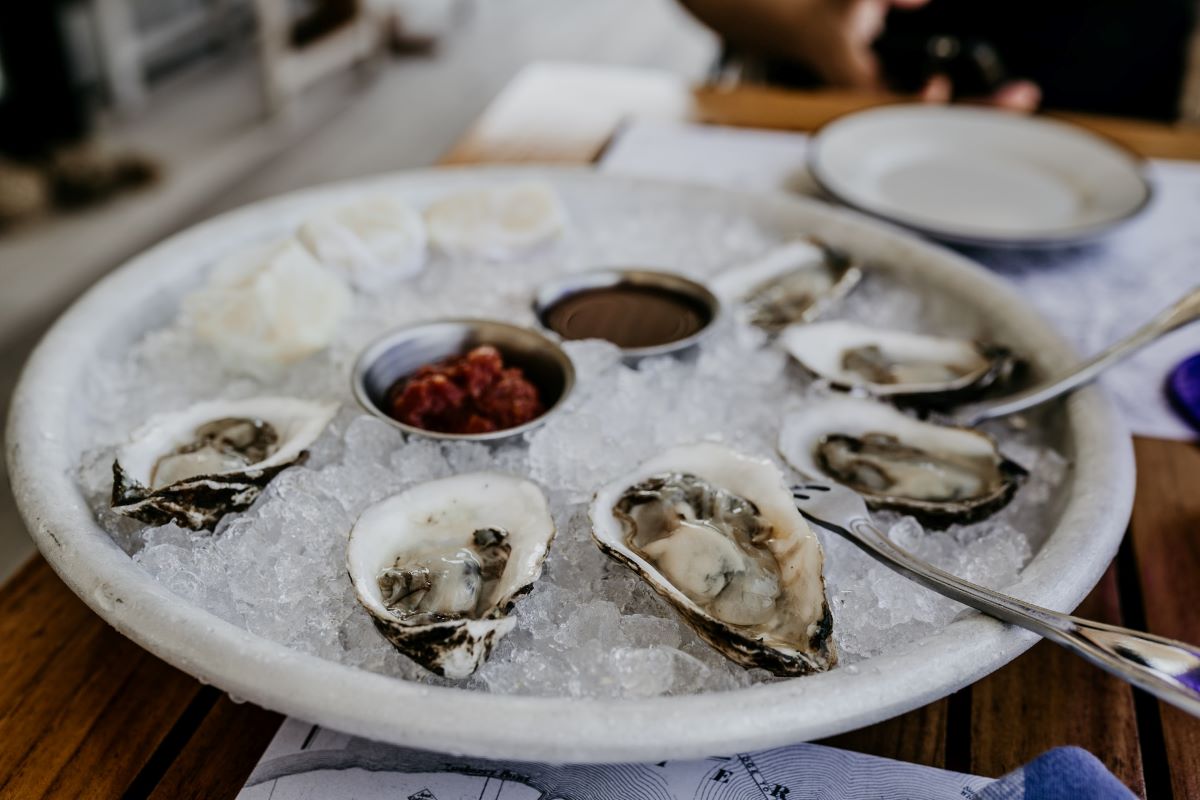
[{"x": 86, "y": 713}]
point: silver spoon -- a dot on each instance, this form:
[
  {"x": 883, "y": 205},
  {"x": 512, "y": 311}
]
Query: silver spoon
[
  {"x": 1185, "y": 311},
  {"x": 1164, "y": 667}
]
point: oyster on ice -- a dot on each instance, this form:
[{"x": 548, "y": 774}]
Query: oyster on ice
[
  {"x": 717, "y": 534},
  {"x": 898, "y": 365},
  {"x": 938, "y": 473},
  {"x": 196, "y": 465},
  {"x": 374, "y": 241},
  {"x": 439, "y": 566},
  {"x": 793, "y": 283}
]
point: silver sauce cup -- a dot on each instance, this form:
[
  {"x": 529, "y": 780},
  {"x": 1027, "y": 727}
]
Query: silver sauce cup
[
  {"x": 400, "y": 353},
  {"x": 689, "y": 291}
]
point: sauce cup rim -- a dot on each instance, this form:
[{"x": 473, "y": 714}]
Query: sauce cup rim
[
  {"x": 564, "y": 286},
  {"x": 376, "y": 348}
]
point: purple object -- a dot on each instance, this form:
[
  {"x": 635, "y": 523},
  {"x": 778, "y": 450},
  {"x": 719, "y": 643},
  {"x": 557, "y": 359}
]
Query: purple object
[{"x": 1183, "y": 388}]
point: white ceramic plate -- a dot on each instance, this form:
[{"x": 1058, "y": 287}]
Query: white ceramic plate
[
  {"x": 978, "y": 175},
  {"x": 49, "y": 413}
]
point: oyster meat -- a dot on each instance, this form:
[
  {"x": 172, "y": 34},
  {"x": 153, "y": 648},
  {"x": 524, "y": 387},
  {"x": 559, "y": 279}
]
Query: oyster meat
[
  {"x": 794, "y": 283},
  {"x": 374, "y": 241},
  {"x": 196, "y": 465},
  {"x": 899, "y": 365},
  {"x": 938, "y": 473},
  {"x": 439, "y": 566},
  {"x": 717, "y": 535},
  {"x": 498, "y": 222},
  {"x": 270, "y": 305}
]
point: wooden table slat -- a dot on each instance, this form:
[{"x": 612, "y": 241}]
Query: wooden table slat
[
  {"x": 767, "y": 107},
  {"x": 88, "y": 706},
  {"x": 918, "y": 736},
  {"x": 72, "y": 702},
  {"x": 1166, "y": 541},
  {"x": 38, "y": 611},
  {"x": 62, "y": 684},
  {"x": 233, "y": 735},
  {"x": 129, "y": 728}
]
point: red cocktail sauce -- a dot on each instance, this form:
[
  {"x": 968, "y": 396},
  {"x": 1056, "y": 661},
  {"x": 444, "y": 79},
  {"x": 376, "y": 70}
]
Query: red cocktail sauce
[{"x": 473, "y": 393}]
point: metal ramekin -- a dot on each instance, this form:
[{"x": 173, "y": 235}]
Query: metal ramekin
[
  {"x": 554, "y": 291},
  {"x": 402, "y": 352}
]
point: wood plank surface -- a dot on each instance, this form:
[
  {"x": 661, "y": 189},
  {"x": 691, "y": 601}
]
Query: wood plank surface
[
  {"x": 1166, "y": 543},
  {"x": 82, "y": 709},
  {"x": 232, "y": 735},
  {"x": 132, "y": 719},
  {"x": 918, "y": 737},
  {"x": 766, "y": 107},
  {"x": 85, "y": 713}
]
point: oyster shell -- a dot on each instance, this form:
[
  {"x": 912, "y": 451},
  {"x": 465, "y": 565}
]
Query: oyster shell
[
  {"x": 898, "y": 365},
  {"x": 938, "y": 473},
  {"x": 717, "y": 535},
  {"x": 439, "y": 566},
  {"x": 498, "y": 222},
  {"x": 793, "y": 283},
  {"x": 374, "y": 241},
  {"x": 196, "y": 465},
  {"x": 269, "y": 305}
]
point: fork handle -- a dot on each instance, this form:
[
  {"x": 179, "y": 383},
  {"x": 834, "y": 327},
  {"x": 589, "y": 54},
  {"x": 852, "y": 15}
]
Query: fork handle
[
  {"x": 1186, "y": 310},
  {"x": 1163, "y": 667}
]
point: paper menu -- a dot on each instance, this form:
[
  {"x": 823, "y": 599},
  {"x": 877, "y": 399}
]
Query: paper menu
[{"x": 307, "y": 762}]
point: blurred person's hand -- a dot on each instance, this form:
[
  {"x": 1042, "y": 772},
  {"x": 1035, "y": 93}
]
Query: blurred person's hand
[
  {"x": 834, "y": 38},
  {"x": 1014, "y": 95}
]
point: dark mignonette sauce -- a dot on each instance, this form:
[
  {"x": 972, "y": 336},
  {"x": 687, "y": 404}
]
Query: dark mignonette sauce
[{"x": 627, "y": 315}]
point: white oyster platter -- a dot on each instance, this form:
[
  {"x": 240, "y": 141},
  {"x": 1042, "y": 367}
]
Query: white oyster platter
[{"x": 596, "y": 666}]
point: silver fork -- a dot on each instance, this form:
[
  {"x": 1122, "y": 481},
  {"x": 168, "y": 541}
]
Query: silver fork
[
  {"x": 1164, "y": 667},
  {"x": 1184, "y": 312}
]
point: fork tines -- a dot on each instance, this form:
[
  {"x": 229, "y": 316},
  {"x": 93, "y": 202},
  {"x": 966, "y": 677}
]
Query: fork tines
[{"x": 798, "y": 492}]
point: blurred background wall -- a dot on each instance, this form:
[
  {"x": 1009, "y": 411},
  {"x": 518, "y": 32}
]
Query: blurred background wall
[{"x": 148, "y": 115}]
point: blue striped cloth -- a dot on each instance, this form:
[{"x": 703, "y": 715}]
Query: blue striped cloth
[{"x": 1063, "y": 773}]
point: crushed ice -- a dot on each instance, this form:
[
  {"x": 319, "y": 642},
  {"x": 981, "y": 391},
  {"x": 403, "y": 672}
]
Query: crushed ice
[{"x": 590, "y": 627}]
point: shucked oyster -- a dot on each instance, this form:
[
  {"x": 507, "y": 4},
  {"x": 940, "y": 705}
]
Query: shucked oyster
[
  {"x": 717, "y": 534},
  {"x": 440, "y": 565},
  {"x": 896, "y": 364},
  {"x": 196, "y": 465},
  {"x": 793, "y": 283},
  {"x": 938, "y": 473}
]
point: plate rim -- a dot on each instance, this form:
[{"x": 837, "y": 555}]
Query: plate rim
[
  {"x": 1064, "y": 237},
  {"x": 43, "y": 473}
]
